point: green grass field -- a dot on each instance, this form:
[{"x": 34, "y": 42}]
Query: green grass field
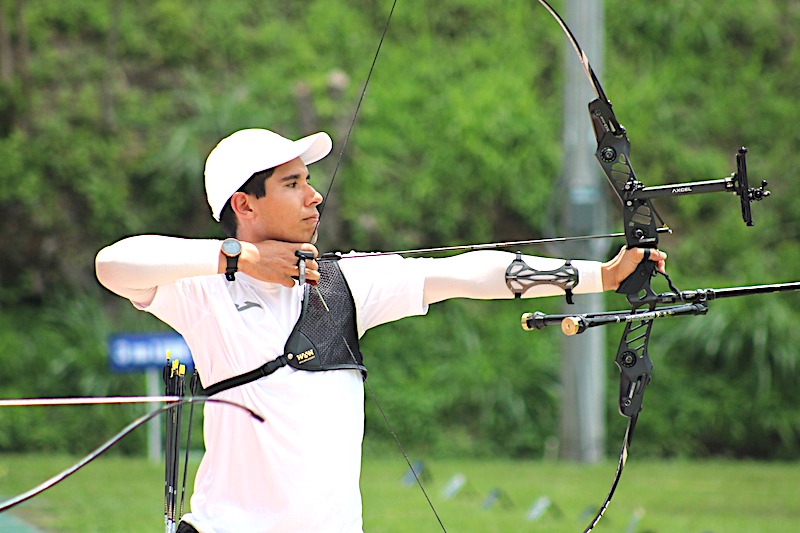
[{"x": 120, "y": 495}]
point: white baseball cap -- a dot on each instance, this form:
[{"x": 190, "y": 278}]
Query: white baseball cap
[{"x": 237, "y": 157}]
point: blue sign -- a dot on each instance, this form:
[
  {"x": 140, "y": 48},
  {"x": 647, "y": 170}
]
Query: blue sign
[{"x": 129, "y": 352}]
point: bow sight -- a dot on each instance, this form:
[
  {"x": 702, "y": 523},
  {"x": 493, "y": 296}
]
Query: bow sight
[
  {"x": 736, "y": 183},
  {"x": 639, "y": 215}
]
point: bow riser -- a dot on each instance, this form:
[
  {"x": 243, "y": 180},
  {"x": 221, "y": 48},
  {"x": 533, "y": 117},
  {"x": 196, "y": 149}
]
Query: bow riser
[{"x": 638, "y": 214}]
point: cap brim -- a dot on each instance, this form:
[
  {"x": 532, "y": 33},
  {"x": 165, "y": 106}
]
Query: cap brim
[{"x": 314, "y": 147}]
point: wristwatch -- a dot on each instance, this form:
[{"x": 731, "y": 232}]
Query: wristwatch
[{"x": 231, "y": 249}]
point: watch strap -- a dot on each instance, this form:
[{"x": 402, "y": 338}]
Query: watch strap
[{"x": 232, "y": 267}]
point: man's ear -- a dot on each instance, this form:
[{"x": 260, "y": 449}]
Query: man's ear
[{"x": 240, "y": 204}]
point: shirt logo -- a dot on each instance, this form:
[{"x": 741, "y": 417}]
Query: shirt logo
[{"x": 247, "y": 305}]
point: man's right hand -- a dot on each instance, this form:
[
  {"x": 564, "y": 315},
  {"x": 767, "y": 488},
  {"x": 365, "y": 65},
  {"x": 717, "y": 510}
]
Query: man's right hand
[{"x": 275, "y": 262}]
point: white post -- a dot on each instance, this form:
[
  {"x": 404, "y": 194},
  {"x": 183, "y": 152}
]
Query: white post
[
  {"x": 154, "y": 388},
  {"x": 584, "y": 359}
]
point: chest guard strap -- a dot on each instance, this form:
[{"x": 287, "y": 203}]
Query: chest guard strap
[{"x": 325, "y": 336}]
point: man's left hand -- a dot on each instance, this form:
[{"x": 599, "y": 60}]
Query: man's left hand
[{"x": 625, "y": 262}]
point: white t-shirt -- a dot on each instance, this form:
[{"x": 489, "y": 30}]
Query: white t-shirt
[{"x": 299, "y": 470}]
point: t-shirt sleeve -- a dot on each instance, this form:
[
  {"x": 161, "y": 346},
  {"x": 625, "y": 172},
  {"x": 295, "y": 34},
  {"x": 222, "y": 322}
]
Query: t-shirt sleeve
[
  {"x": 181, "y": 304},
  {"x": 385, "y": 288}
]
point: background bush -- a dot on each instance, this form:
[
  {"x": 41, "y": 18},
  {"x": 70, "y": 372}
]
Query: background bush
[{"x": 108, "y": 109}]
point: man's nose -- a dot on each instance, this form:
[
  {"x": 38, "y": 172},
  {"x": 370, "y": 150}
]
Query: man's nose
[{"x": 316, "y": 197}]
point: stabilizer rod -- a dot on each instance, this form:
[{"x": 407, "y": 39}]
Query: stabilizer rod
[{"x": 694, "y": 302}]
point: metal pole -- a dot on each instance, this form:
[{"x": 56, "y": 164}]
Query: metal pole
[{"x": 584, "y": 361}]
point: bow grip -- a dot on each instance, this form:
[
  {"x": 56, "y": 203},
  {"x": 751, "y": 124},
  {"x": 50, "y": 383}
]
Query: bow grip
[{"x": 636, "y": 282}]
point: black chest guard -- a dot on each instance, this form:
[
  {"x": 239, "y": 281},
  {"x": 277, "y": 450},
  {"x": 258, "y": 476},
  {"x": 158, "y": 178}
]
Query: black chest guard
[{"x": 325, "y": 336}]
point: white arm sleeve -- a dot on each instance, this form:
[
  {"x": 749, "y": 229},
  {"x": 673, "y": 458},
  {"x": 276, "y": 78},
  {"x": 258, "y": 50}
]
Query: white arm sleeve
[
  {"x": 134, "y": 267},
  {"x": 482, "y": 275}
]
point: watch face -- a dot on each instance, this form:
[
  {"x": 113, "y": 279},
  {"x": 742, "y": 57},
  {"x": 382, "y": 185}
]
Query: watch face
[{"x": 231, "y": 247}]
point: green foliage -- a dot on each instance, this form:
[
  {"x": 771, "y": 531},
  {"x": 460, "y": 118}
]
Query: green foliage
[
  {"x": 105, "y": 131},
  {"x": 735, "y": 497},
  {"x": 472, "y": 390},
  {"x": 728, "y": 381},
  {"x": 64, "y": 354}
]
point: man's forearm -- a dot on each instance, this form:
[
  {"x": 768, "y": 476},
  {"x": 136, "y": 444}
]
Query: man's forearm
[
  {"x": 481, "y": 275},
  {"x": 135, "y": 266}
]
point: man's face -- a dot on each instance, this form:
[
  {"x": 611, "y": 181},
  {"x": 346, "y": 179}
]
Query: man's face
[{"x": 288, "y": 210}]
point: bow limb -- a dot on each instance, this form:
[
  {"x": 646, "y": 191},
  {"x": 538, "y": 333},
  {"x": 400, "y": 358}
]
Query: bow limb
[{"x": 97, "y": 452}]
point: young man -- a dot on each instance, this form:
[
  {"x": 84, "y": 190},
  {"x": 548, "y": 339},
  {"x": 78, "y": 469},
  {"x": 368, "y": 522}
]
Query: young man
[{"x": 236, "y": 302}]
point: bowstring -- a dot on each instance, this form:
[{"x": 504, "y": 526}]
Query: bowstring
[
  {"x": 385, "y": 417},
  {"x": 319, "y": 293},
  {"x": 355, "y": 113}
]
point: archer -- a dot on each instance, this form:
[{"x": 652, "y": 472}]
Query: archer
[{"x": 248, "y": 307}]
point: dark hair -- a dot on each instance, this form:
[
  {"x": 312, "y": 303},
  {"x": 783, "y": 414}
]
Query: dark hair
[{"x": 256, "y": 186}]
